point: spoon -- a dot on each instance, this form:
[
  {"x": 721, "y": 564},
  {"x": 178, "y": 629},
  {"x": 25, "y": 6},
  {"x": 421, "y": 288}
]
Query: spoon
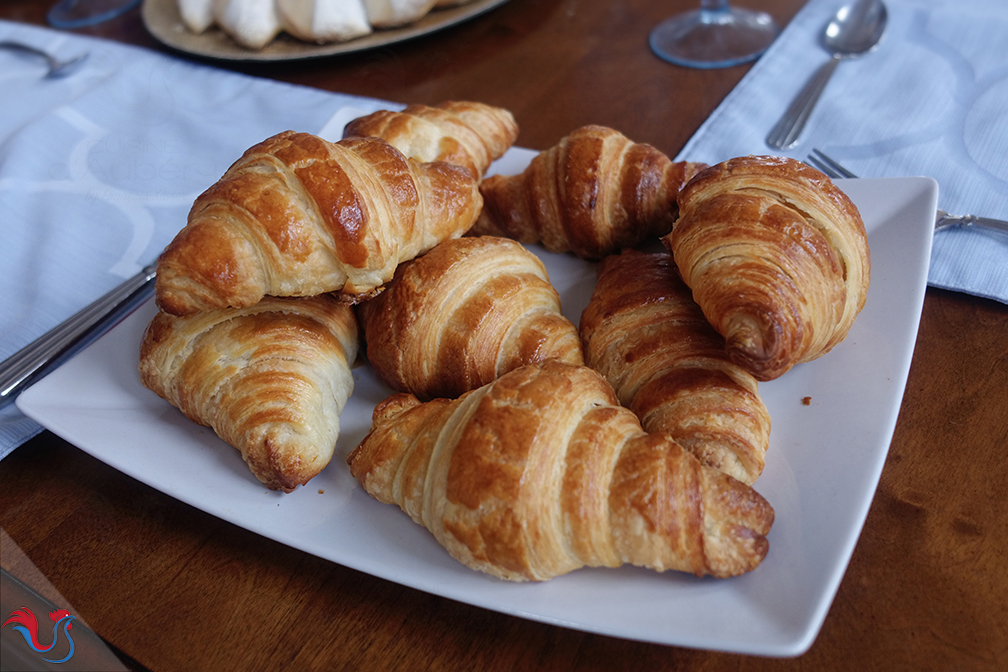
[
  {"x": 856, "y": 29},
  {"x": 57, "y": 68}
]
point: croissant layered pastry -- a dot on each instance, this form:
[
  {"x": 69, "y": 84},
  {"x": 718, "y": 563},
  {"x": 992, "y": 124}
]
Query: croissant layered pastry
[
  {"x": 542, "y": 472},
  {"x": 776, "y": 257},
  {"x": 271, "y": 379},
  {"x": 466, "y": 133},
  {"x": 592, "y": 194},
  {"x": 463, "y": 314},
  {"x": 643, "y": 332},
  {"x": 297, "y": 215}
]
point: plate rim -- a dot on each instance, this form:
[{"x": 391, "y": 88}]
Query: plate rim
[{"x": 792, "y": 638}]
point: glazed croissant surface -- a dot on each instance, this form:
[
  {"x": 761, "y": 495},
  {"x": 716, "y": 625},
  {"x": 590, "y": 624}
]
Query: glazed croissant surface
[
  {"x": 777, "y": 258},
  {"x": 542, "y": 472},
  {"x": 593, "y": 193},
  {"x": 270, "y": 379},
  {"x": 643, "y": 332},
  {"x": 297, "y": 215},
  {"x": 463, "y": 314},
  {"x": 465, "y": 133}
]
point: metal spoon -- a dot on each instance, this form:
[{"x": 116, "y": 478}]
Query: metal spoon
[
  {"x": 57, "y": 67},
  {"x": 855, "y": 30}
]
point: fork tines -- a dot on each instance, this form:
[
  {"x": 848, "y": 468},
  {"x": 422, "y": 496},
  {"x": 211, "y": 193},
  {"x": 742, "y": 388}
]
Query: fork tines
[{"x": 827, "y": 165}]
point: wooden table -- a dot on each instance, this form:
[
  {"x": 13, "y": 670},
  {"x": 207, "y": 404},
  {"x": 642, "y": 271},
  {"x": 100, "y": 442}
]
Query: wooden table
[{"x": 178, "y": 589}]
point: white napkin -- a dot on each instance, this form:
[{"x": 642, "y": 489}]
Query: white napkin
[
  {"x": 931, "y": 100},
  {"x": 99, "y": 169}
]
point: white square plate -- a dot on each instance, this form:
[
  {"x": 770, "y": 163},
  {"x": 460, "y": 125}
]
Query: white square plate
[{"x": 822, "y": 468}]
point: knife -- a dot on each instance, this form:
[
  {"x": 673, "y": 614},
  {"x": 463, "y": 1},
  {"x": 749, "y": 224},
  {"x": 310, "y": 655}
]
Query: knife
[{"x": 24, "y": 366}]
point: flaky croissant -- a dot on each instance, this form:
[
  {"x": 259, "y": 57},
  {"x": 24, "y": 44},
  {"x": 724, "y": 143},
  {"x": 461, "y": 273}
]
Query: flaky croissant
[
  {"x": 270, "y": 379},
  {"x": 465, "y": 133},
  {"x": 463, "y": 314},
  {"x": 593, "y": 193},
  {"x": 542, "y": 472},
  {"x": 299, "y": 216},
  {"x": 642, "y": 331},
  {"x": 777, "y": 258}
]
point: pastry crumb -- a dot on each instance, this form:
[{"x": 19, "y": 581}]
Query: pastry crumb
[
  {"x": 806, "y": 401},
  {"x": 321, "y": 492}
]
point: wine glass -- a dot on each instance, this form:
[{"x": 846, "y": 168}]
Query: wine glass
[
  {"x": 71, "y": 14},
  {"x": 714, "y": 36}
]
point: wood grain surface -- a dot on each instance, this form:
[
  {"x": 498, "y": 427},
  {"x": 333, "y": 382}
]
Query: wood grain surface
[{"x": 177, "y": 589}]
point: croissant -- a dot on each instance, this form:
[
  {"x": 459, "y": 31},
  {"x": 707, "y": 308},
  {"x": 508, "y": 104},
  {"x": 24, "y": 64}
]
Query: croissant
[
  {"x": 642, "y": 331},
  {"x": 542, "y": 472},
  {"x": 299, "y": 216},
  {"x": 270, "y": 379},
  {"x": 465, "y": 133},
  {"x": 592, "y": 194},
  {"x": 463, "y": 314},
  {"x": 777, "y": 258}
]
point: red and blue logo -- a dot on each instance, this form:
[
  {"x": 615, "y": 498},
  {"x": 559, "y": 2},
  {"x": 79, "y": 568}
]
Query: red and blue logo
[{"x": 25, "y": 623}]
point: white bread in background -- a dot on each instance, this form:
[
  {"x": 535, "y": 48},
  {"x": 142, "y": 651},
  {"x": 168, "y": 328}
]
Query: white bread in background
[
  {"x": 392, "y": 13},
  {"x": 252, "y": 23},
  {"x": 324, "y": 20},
  {"x": 197, "y": 15},
  {"x": 255, "y": 23}
]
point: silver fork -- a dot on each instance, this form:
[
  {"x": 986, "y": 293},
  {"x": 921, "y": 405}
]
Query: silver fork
[{"x": 943, "y": 220}]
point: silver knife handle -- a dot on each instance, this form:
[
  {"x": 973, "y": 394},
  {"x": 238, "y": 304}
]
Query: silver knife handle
[
  {"x": 19, "y": 367},
  {"x": 946, "y": 220}
]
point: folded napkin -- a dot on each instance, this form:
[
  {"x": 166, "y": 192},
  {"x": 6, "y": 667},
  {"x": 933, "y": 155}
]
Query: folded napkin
[
  {"x": 99, "y": 169},
  {"x": 931, "y": 100}
]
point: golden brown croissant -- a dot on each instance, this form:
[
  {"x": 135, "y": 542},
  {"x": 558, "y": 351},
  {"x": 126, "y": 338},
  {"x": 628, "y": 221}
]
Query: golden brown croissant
[
  {"x": 461, "y": 315},
  {"x": 777, "y": 258},
  {"x": 542, "y": 472},
  {"x": 299, "y": 216},
  {"x": 271, "y": 379},
  {"x": 466, "y": 133},
  {"x": 592, "y": 194},
  {"x": 645, "y": 335}
]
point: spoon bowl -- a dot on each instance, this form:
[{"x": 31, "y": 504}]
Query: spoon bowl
[
  {"x": 56, "y": 67},
  {"x": 855, "y": 29}
]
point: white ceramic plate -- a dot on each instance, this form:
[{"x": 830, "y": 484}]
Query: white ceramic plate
[
  {"x": 163, "y": 20},
  {"x": 822, "y": 468}
]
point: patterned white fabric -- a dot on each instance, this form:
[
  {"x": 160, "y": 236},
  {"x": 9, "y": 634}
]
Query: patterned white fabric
[
  {"x": 932, "y": 100},
  {"x": 98, "y": 170}
]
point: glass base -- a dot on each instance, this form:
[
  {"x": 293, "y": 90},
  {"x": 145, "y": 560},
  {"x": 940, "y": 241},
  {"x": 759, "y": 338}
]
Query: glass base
[
  {"x": 713, "y": 38},
  {"x": 71, "y": 14}
]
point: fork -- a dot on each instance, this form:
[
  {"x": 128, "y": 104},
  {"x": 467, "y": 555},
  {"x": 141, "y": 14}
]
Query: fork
[{"x": 943, "y": 220}]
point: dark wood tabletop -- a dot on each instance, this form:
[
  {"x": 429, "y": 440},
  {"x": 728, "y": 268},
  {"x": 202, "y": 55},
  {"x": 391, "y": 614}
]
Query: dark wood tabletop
[{"x": 173, "y": 588}]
